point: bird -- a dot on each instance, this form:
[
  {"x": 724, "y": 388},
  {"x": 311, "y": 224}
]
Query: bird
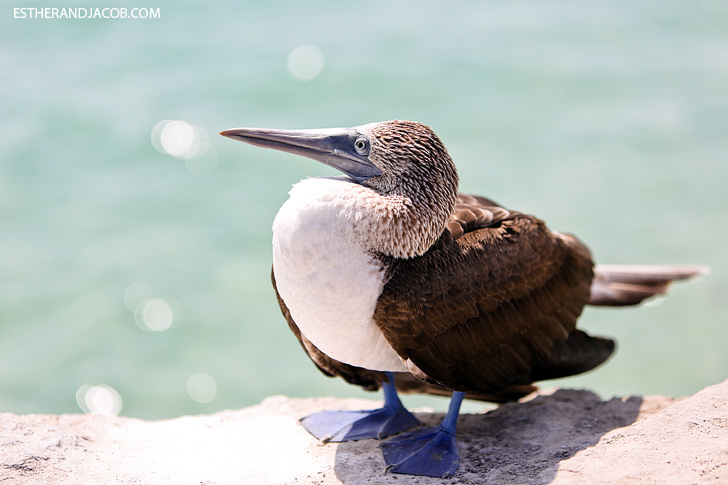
[{"x": 391, "y": 278}]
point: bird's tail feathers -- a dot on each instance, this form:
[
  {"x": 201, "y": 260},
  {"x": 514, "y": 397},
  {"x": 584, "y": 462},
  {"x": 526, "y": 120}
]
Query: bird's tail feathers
[{"x": 621, "y": 285}]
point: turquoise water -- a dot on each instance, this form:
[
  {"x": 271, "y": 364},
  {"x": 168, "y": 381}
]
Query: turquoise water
[{"x": 607, "y": 119}]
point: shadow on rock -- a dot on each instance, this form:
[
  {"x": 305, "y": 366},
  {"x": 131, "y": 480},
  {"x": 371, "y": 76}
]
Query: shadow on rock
[{"x": 518, "y": 443}]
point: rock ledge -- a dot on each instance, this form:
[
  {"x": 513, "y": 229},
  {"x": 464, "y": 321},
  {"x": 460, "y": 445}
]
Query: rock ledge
[{"x": 561, "y": 436}]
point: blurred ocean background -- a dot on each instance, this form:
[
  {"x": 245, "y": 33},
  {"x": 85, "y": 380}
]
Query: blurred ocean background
[{"x": 135, "y": 241}]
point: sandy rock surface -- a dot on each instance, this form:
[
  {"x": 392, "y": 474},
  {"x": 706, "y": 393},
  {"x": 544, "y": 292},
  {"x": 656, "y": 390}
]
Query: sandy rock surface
[{"x": 562, "y": 436}]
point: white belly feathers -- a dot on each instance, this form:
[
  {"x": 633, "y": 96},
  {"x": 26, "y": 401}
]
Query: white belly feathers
[{"x": 328, "y": 280}]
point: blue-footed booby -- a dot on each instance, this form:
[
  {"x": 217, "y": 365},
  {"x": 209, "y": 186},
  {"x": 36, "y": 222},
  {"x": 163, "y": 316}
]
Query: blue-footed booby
[{"x": 389, "y": 277}]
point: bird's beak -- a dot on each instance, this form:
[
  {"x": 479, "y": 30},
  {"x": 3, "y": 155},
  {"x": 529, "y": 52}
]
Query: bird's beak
[{"x": 335, "y": 147}]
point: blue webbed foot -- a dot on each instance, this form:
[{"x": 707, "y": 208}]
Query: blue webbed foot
[
  {"x": 430, "y": 452},
  {"x": 336, "y": 426}
]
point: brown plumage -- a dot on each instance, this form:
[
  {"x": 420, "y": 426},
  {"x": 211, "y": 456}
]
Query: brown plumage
[{"x": 519, "y": 291}]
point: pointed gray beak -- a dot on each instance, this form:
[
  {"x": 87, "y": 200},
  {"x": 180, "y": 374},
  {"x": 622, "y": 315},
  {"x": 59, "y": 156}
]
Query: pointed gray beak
[{"x": 344, "y": 149}]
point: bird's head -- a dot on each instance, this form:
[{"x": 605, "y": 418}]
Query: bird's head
[{"x": 403, "y": 158}]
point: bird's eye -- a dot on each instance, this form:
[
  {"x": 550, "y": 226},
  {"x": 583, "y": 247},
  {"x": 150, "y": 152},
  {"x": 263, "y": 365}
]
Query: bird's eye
[{"x": 362, "y": 146}]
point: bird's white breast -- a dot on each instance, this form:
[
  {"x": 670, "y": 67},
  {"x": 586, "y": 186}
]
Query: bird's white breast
[{"x": 329, "y": 281}]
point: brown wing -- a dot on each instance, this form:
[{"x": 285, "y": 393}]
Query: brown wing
[
  {"x": 473, "y": 212},
  {"x": 580, "y": 353},
  {"x": 488, "y": 309},
  {"x": 371, "y": 380}
]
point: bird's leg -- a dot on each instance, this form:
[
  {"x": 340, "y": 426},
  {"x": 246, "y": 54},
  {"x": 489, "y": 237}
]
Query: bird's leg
[
  {"x": 338, "y": 426},
  {"x": 430, "y": 452}
]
